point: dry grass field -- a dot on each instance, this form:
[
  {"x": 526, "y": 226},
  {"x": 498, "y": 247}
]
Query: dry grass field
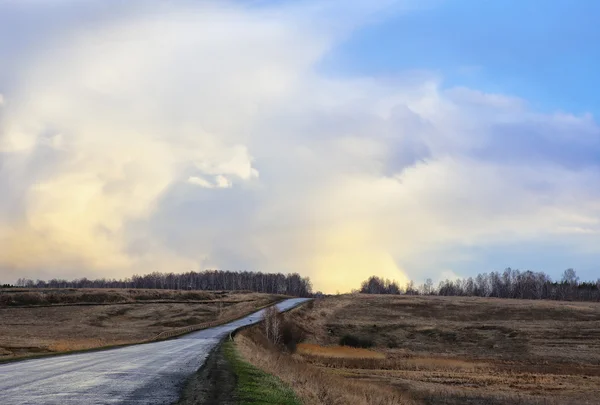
[
  {"x": 314, "y": 385},
  {"x": 456, "y": 350},
  {"x": 48, "y": 321},
  {"x": 337, "y": 352}
]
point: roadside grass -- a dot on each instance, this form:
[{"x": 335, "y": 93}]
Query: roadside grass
[
  {"x": 313, "y": 385},
  {"x": 255, "y": 386}
]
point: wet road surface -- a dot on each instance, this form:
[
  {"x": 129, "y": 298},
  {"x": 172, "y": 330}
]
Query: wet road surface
[{"x": 152, "y": 373}]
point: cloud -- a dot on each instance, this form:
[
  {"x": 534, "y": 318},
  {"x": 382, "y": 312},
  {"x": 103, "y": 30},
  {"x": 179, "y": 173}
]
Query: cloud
[
  {"x": 220, "y": 181},
  {"x": 202, "y": 136}
]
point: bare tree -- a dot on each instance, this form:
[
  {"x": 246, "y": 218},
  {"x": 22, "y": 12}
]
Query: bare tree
[
  {"x": 428, "y": 286},
  {"x": 290, "y": 284},
  {"x": 510, "y": 284},
  {"x": 272, "y": 324},
  {"x": 570, "y": 277}
]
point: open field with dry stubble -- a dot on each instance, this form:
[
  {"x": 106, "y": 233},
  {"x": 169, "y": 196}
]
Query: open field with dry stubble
[
  {"x": 34, "y": 322},
  {"x": 455, "y": 350}
]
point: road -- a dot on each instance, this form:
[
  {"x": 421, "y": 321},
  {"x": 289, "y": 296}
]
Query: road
[{"x": 152, "y": 373}]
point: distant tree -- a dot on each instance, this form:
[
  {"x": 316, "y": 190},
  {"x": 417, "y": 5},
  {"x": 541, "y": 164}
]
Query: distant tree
[
  {"x": 426, "y": 288},
  {"x": 410, "y": 288},
  {"x": 376, "y": 285},
  {"x": 570, "y": 277},
  {"x": 290, "y": 284},
  {"x": 429, "y": 286},
  {"x": 512, "y": 283}
]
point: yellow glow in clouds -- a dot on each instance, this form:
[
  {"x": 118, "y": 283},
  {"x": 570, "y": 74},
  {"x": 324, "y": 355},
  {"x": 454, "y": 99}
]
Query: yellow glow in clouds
[{"x": 349, "y": 259}]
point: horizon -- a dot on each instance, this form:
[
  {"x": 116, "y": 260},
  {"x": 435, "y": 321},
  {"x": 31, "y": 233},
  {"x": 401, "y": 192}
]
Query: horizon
[
  {"x": 402, "y": 139},
  {"x": 494, "y": 284}
]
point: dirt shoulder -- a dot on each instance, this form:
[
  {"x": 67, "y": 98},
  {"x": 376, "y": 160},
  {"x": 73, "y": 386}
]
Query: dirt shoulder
[{"x": 214, "y": 383}]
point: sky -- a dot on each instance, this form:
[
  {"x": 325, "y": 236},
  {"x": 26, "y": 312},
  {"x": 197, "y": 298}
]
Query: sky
[{"x": 341, "y": 139}]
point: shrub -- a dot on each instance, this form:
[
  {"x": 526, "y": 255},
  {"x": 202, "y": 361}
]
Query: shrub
[
  {"x": 392, "y": 343},
  {"x": 99, "y": 297},
  {"x": 5, "y": 300},
  {"x": 28, "y": 298},
  {"x": 291, "y": 335},
  {"x": 196, "y": 296},
  {"x": 355, "y": 341}
]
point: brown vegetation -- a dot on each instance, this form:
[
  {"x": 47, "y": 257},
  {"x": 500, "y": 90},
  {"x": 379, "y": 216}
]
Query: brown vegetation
[
  {"x": 313, "y": 385},
  {"x": 438, "y": 350},
  {"x": 114, "y": 316},
  {"x": 340, "y": 352},
  {"x": 453, "y": 350},
  {"x": 18, "y": 297}
]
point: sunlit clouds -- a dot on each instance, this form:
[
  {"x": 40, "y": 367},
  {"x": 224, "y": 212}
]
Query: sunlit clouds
[{"x": 192, "y": 137}]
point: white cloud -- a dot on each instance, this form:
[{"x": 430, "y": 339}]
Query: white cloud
[
  {"x": 235, "y": 161},
  {"x": 337, "y": 178},
  {"x": 220, "y": 181},
  {"x": 199, "y": 181}
]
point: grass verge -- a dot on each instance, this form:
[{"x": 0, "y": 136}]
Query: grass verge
[{"x": 255, "y": 386}]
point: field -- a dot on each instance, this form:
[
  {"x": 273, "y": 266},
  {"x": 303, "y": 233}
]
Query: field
[
  {"x": 337, "y": 352},
  {"x": 451, "y": 350},
  {"x": 353, "y": 349},
  {"x": 34, "y": 322}
]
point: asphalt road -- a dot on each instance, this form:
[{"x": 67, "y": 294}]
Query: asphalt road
[{"x": 152, "y": 373}]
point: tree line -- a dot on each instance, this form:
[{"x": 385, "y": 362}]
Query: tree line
[
  {"x": 216, "y": 280},
  {"x": 508, "y": 284}
]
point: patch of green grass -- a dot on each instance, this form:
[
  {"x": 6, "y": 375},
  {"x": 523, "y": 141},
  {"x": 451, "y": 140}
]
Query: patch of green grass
[{"x": 255, "y": 387}]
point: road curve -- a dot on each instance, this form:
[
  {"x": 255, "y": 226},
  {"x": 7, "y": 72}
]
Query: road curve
[{"x": 152, "y": 373}]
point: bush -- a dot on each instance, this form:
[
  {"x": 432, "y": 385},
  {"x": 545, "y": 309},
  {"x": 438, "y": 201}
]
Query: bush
[
  {"x": 29, "y": 298},
  {"x": 355, "y": 341},
  {"x": 291, "y": 335},
  {"x": 5, "y": 300},
  {"x": 196, "y": 296},
  {"x": 281, "y": 331},
  {"x": 97, "y": 297},
  {"x": 392, "y": 343}
]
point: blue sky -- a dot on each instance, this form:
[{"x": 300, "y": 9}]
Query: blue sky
[
  {"x": 545, "y": 52},
  {"x": 338, "y": 139}
]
